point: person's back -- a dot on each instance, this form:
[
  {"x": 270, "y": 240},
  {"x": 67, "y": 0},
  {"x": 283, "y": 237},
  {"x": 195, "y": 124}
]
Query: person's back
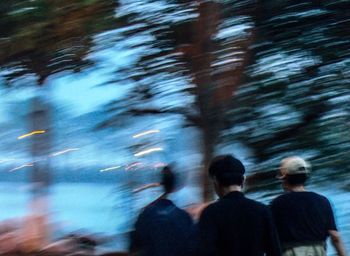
[
  {"x": 235, "y": 225},
  {"x": 304, "y": 219},
  {"x": 163, "y": 228}
]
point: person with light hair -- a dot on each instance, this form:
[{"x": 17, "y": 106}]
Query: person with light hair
[{"x": 304, "y": 219}]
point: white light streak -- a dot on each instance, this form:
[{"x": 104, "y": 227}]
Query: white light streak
[
  {"x": 110, "y": 168},
  {"x": 21, "y": 167},
  {"x": 64, "y": 151},
  {"x": 7, "y": 160},
  {"x": 130, "y": 166},
  {"x": 160, "y": 165},
  {"x": 148, "y": 151},
  {"x": 145, "y": 133}
]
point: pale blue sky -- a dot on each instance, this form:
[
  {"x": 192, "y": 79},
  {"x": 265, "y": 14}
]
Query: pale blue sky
[{"x": 82, "y": 94}]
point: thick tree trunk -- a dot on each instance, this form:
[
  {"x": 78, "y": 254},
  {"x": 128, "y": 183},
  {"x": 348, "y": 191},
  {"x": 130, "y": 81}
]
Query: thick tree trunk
[
  {"x": 215, "y": 85},
  {"x": 202, "y": 58}
]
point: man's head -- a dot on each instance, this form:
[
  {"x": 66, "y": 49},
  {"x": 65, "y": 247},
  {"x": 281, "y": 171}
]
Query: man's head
[
  {"x": 226, "y": 171},
  {"x": 168, "y": 179},
  {"x": 294, "y": 171}
]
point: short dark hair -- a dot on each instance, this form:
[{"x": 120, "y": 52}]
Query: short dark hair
[
  {"x": 228, "y": 179},
  {"x": 227, "y": 170},
  {"x": 296, "y": 179},
  {"x": 168, "y": 179}
]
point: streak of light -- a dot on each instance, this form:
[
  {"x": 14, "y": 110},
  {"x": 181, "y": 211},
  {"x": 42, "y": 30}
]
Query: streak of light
[
  {"x": 145, "y": 133},
  {"x": 31, "y": 134},
  {"x": 160, "y": 165},
  {"x": 148, "y": 151},
  {"x": 64, "y": 151},
  {"x": 110, "y": 168},
  {"x": 6, "y": 160},
  {"x": 147, "y": 186},
  {"x": 21, "y": 167},
  {"x": 130, "y": 166}
]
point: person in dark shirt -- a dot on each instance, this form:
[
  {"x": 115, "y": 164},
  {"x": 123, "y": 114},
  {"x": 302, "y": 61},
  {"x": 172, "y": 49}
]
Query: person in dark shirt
[
  {"x": 235, "y": 225},
  {"x": 304, "y": 219},
  {"x": 163, "y": 229}
]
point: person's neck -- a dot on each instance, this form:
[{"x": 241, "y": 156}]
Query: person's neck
[
  {"x": 299, "y": 188},
  {"x": 229, "y": 189}
]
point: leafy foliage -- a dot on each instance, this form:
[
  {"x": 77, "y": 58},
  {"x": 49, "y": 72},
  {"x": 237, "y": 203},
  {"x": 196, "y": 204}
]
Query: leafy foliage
[
  {"x": 46, "y": 37},
  {"x": 293, "y": 56},
  {"x": 296, "y": 96}
]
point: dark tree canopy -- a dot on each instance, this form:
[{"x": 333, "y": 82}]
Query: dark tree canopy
[
  {"x": 272, "y": 75},
  {"x": 47, "y": 37}
]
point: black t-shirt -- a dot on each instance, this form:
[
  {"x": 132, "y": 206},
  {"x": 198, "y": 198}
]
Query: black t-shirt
[
  {"x": 302, "y": 217},
  {"x": 236, "y": 225},
  {"x": 163, "y": 229}
]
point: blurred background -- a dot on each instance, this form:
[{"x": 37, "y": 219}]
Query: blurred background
[{"x": 97, "y": 96}]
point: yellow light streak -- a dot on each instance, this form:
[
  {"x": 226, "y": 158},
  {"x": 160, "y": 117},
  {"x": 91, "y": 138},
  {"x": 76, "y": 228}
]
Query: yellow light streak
[
  {"x": 31, "y": 134},
  {"x": 145, "y": 133},
  {"x": 148, "y": 151}
]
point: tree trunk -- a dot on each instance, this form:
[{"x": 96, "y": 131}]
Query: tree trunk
[
  {"x": 200, "y": 65},
  {"x": 40, "y": 146},
  {"x": 36, "y": 230},
  {"x": 208, "y": 151}
]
